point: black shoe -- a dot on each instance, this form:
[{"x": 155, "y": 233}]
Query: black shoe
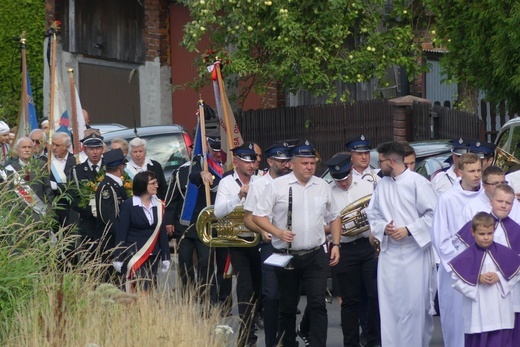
[{"x": 304, "y": 336}]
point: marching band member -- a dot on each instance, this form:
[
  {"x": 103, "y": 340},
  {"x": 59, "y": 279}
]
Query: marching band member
[
  {"x": 444, "y": 180},
  {"x": 359, "y": 149},
  {"x": 293, "y": 209},
  {"x": 110, "y": 194},
  {"x": 83, "y": 174},
  {"x": 355, "y": 270},
  {"x": 444, "y": 230},
  {"x": 278, "y": 159},
  {"x": 140, "y": 163},
  {"x": 232, "y": 191},
  {"x": 400, "y": 214},
  {"x": 216, "y": 158},
  {"x": 485, "y": 150}
]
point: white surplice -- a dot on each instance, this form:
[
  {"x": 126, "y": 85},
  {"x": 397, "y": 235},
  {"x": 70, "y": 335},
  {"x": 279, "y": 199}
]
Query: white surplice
[
  {"x": 487, "y": 307},
  {"x": 406, "y": 268},
  {"x": 445, "y": 241},
  {"x": 444, "y": 180}
]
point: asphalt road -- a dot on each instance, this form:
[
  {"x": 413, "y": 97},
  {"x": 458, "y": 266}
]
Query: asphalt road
[{"x": 334, "y": 335}]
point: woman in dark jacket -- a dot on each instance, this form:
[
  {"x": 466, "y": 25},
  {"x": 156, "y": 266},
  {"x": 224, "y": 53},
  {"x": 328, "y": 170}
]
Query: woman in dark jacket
[{"x": 141, "y": 234}]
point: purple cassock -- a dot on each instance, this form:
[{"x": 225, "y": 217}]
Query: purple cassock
[
  {"x": 467, "y": 266},
  {"x": 511, "y": 231}
]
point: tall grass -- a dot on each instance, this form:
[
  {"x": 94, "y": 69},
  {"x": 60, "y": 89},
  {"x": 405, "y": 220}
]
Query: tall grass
[{"x": 43, "y": 303}]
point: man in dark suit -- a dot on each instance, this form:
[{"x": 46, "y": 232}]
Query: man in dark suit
[
  {"x": 82, "y": 174},
  {"x": 140, "y": 163},
  {"x": 109, "y": 197},
  {"x": 39, "y": 139},
  {"x": 32, "y": 173}
]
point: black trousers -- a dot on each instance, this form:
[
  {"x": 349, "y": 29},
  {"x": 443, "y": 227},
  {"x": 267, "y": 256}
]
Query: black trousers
[
  {"x": 269, "y": 297},
  {"x": 246, "y": 264},
  {"x": 355, "y": 273},
  {"x": 312, "y": 270},
  {"x": 205, "y": 265}
]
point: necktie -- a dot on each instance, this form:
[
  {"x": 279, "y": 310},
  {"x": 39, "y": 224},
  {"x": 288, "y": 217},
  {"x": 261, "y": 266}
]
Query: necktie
[{"x": 94, "y": 169}]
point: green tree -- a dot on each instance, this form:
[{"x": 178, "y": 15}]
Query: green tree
[
  {"x": 483, "y": 43},
  {"x": 304, "y": 44},
  {"x": 17, "y": 16}
]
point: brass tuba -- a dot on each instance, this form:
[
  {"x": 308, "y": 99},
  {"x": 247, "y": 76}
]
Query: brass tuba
[
  {"x": 354, "y": 220},
  {"x": 228, "y": 231},
  {"x": 506, "y": 161}
]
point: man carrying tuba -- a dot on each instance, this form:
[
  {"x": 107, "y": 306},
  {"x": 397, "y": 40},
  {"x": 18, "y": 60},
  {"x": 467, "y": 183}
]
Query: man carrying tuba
[
  {"x": 355, "y": 270},
  {"x": 359, "y": 149},
  {"x": 231, "y": 193}
]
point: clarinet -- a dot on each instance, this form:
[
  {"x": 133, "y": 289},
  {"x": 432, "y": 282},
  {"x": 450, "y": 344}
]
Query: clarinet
[{"x": 289, "y": 265}]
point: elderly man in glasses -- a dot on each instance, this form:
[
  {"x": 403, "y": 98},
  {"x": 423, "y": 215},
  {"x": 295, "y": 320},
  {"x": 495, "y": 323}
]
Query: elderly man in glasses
[{"x": 39, "y": 140}]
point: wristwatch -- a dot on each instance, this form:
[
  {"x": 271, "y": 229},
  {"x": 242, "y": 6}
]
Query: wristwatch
[{"x": 336, "y": 244}]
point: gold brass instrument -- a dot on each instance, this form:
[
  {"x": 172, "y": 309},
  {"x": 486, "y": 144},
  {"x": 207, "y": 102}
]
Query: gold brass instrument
[
  {"x": 372, "y": 179},
  {"x": 506, "y": 161},
  {"x": 354, "y": 220},
  {"x": 228, "y": 231}
]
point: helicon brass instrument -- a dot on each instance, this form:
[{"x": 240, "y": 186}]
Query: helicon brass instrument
[
  {"x": 372, "y": 179},
  {"x": 506, "y": 161},
  {"x": 354, "y": 220},
  {"x": 228, "y": 231}
]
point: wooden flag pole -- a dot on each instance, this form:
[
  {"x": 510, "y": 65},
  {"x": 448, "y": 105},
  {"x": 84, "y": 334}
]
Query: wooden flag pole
[
  {"x": 75, "y": 134},
  {"x": 51, "y": 94},
  {"x": 222, "y": 100},
  {"x": 25, "y": 100},
  {"x": 202, "y": 121}
]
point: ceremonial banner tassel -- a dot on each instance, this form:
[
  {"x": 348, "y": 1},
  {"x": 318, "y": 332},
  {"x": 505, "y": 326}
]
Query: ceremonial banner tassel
[{"x": 229, "y": 132}]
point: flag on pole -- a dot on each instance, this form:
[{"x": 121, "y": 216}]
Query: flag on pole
[
  {"x": 192, "y": 191},
  {"x": 79, "y": 113},
  {"x": 33, "y": 121},
  {"x": 225, "y": 114},
  {"x": 59, "y": 111}
]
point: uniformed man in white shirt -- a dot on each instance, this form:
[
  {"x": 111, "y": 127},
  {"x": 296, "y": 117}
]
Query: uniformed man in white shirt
[
  {"x": 355, "y": 271},
  {"x": 359, "y": 149},
  {"x": 294, "y": 208},
  {"x": 443, "y": 180},
  {"x": 278, "y": 159},
  {"x": 232, "y": 192}
]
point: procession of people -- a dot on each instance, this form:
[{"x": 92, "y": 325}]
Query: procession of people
[{"x": 390, "y": 239}]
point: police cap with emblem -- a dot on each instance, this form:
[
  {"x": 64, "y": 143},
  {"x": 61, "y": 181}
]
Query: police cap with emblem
[
  {"x": 93, "y": 140},
  {"x": 213, "y": 139},
  {"x": 483, "y": 149},
  {"x": 245, "y": 152},
  {"x": 459, "y": 146},
  {"x": 279, "y": 150},
  {"x": 304, "y": 148},
  {"x": 114, "y": 157},
  {"x": 339, "y": 166},
  {"x": 359, "y": 144}
]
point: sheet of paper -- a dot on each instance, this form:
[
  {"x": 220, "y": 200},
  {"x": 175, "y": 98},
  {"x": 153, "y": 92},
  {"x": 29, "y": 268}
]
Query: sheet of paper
[{"x": 277, "y": 259}]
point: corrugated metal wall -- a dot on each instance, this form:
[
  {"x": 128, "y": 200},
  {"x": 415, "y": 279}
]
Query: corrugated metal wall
[
  {"x": 110, "y": 94},
  {"x": 436, "y": 88}
]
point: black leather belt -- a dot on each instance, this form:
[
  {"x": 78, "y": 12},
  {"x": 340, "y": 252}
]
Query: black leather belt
[
  {"x": 299, "y": 252},
  {"x": 356, "y": 241}
]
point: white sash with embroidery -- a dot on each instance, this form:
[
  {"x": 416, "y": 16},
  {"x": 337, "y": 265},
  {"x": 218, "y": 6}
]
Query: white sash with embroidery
[{"x": 58, "y": 173}]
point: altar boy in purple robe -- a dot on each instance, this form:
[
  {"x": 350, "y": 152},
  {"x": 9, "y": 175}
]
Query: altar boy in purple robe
[{"x": 485, "y": 274}]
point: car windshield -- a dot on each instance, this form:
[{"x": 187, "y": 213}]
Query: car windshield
[{"x": 168, "y": 149}]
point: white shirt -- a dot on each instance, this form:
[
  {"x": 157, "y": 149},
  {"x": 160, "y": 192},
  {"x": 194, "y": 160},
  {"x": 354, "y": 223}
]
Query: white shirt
[
  {"x": 148, "y": 211},
  {"x": 227, "y": 195},
  {"x": 255, "y": 191},
  {"x": 312, "y": 208},
  {"x": 115, "y": 178},
  {"x": 343, "y": 198},
  {"x": 356, "y": 176},
  {"x": 514, "y": 181},
  {"x": 139, "y": 168},
  {"x": 444, "y": 180}
]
